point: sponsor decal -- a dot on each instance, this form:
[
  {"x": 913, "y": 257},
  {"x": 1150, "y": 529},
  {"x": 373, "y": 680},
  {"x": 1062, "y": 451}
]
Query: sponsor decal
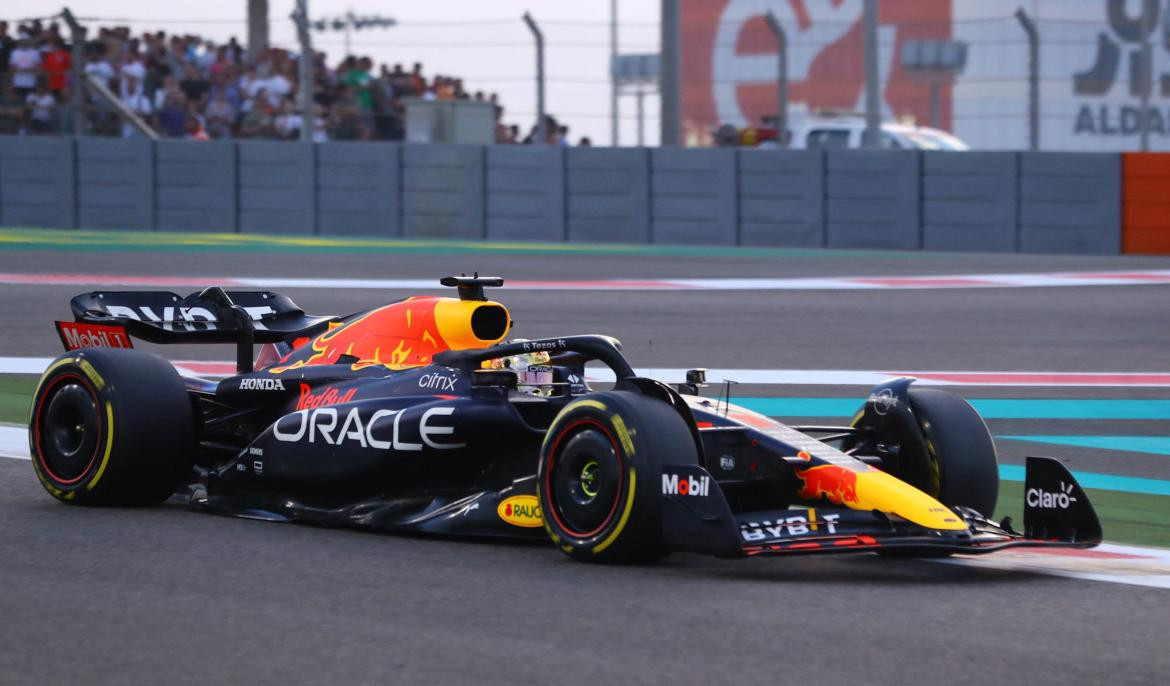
[
  {"x": 77, "y": 335},
  {"x": 258, "y": 467},
  {"x": 1048, "y": 500},
  {"x": 441, "y": 382},
  {"x": 328, "y": 396},
  {"x": 1117, "y": 64},
  {"x": 673, "y": 484},
  {"x": 727, "y": 463},
  {"x": 258, "y": 452},
  {"x": 521, "y": 510},
  {"x": 187, "y": 318},
  {"x": 883, "y": 401},
  {"x": 261, "y": 384},
  {"x": 558, "y": 344},
  {"x": 730, "y": 68},
  {"x": 796, "y": 525},
  {"x": 837, "y": 484},
  {"x": 382, "y": 430}
]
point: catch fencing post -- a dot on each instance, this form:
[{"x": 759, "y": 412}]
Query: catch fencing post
[
  {"x": 613, "y": 84},
  {"x": 1146, "y": 71},
  {"x": 781, "y": 79},
  {"x": 541, "y": 132},
  {"x": 300, "y": 17},
  {"x": 1033, "y": 78},
  {"x": 77, "y": 71},
  {"x": 873, "y": 113}
]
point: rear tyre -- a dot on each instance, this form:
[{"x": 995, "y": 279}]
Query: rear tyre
[
  {"x": 599, "y": 472},
  {"x": 111, "y": 427}
]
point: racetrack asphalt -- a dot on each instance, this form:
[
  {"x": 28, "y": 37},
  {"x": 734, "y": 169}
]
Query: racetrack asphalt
[{"x": 110, "y": 596}]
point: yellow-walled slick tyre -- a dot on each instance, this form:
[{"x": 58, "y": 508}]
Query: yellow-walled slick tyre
[
  {"x": 600, "y": 473},
  {"x": 111, "y": 427}
]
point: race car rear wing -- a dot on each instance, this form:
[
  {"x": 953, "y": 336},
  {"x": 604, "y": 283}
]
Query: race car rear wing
[{"x": 209, "y": 316}]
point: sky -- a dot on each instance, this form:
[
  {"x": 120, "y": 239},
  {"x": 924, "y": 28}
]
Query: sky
[{"x": 485, "y": 43}]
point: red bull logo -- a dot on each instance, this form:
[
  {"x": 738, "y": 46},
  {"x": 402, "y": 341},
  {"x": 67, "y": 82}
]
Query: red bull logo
[
  {"x": 329, "y": 396},
  {"x": 836, "y": 484}
]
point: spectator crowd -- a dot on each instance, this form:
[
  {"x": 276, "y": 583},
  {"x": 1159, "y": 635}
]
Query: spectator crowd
[{"x": 183, "y": 86}]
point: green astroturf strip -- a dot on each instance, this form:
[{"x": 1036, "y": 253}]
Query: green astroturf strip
[
  {"x": 1157, "y": 445},
  {"x": 1125, "y": 517},
  {"x": 989, "y": 408},
  {"x": 16, "y": 392},
  {"x": 87, "y": 240}
]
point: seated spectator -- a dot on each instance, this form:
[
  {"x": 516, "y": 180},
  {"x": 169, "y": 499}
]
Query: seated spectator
[
  {"x": 194, "y": 86},
  {"x": 57, "y": 62},
  {"x": 41, "y": 106},
  {"x": 24, "y": 63},
  {"x": 195, "y": 130},
  {"x": 288, "y": 122},
  {"x": 258, "y": 122},
  {"x": 172, "y": 116},
  {"x": 133, "y": 96},
  {"x": 221, "y": 115}
]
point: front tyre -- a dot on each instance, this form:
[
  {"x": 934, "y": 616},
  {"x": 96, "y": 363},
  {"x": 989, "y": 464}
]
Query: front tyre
[
  {"x": 599, "y": 475},
  {"x": 111, "y": 427}
]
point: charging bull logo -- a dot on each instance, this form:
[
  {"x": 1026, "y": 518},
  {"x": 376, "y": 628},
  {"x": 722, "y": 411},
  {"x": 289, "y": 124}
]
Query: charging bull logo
[
  {"x": 398, "y": 336},
  {"x": 837, "y": 484}
]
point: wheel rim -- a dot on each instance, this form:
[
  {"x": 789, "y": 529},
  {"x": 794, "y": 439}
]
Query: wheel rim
[
  {"x": 68, "y": 430},
  {"x": 584, "y": 479}
]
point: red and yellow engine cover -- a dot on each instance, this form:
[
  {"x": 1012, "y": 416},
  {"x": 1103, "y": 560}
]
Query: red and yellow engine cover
[{"x": 405, "y": 334}]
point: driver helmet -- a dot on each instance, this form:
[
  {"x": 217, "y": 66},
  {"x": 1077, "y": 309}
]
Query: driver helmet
[{"x": 533, "y": 373}]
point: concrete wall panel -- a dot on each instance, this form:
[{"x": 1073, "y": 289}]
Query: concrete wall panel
[
  {"x": 608, "y": 195},
  {"x": 872, "y": 199},
  {"x": 195, "y": 185},
  {"x": 693, "y": 197},
  {"x": 38, "y": 182},
  {"x": 443, "y": 191},
  {"x": 359, "y": 189},
  {"x": 1070, "y": 203},
  {"x": 115, "y": 183},
  {"x": 277, "y": 182},
  {"x": 525, "y": 193},
  {"x": 969, "y": 201}
]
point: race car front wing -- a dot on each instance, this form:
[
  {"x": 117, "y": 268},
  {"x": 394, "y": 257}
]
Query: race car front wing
[{"x": 1057, "y": 513}]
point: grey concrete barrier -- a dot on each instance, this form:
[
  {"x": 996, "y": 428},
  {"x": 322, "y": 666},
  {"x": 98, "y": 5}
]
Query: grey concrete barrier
[
  {"x": 359, "y": 189},
  {"x": 693, "y": 196},
  {"x": 969, "y": 201},
  {"x": 196, "y": 186},
  {"x": 115, "y": 183},
  {"x": 443, "y": 191},
  {"x": 1070, "y": 203},
  {"x": 525, "y": 193},
  {"x": 277, "y": 187},
  {"x": 781, "y": 197},
  {"x": 607, "y": 195},
  {"x": 885, "y": 199},
  {"x": 38, "y": 182},
  {"x": 872, "y": 199}
]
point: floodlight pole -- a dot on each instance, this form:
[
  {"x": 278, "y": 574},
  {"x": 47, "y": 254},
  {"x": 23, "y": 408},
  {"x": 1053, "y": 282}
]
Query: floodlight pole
[
  {"x": 541, "y": 133},
  {"x": 781, "y": 79}
]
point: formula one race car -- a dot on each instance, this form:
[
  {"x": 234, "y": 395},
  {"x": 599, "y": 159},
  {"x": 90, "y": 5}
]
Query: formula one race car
[{"x": 419, "y": 416}]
